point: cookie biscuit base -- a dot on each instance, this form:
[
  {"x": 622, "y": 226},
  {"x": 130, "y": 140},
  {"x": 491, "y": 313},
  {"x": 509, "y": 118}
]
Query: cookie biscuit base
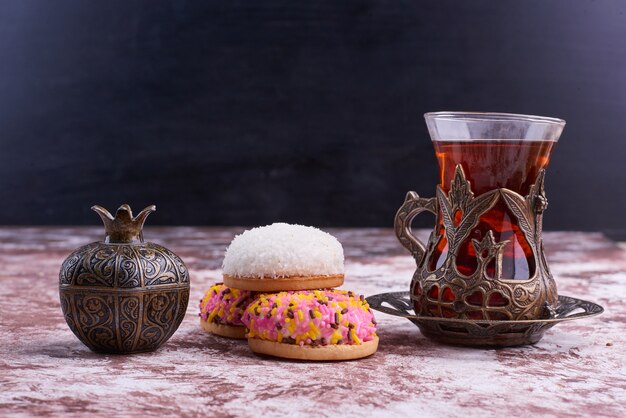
[
  {"x": 319, "y": 352},
  {"x": 269, "y": 284},
  {"x": 229, "y": 331}
]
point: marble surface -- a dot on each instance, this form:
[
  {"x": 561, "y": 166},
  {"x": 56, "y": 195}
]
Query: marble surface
[{"x": 578, "y": 368}]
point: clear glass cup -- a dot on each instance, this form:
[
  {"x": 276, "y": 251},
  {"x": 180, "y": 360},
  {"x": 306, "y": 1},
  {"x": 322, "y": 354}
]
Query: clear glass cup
[{"x": 496, "y": 150}]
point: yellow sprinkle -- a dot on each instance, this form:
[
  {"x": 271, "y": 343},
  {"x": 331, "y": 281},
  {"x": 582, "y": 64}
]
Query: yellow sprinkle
[
  {"x": 211, "y": 316},
  {"x": 300, "y": 316},
  {"x": 313, "y": 330}
]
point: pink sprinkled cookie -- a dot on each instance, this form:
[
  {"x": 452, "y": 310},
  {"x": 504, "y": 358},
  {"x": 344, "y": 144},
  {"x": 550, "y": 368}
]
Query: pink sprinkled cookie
[
  {"x": 281, "y": 257},
  {"x": 311, "y": 325},
  {"x": 221, "y": 309}
]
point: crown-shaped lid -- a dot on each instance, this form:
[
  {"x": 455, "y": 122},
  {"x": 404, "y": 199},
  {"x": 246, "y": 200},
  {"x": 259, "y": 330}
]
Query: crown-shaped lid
[{"x": 123, "y": 228}]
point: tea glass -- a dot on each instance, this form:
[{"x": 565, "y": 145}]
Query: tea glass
[{"x": 484, "y": 259}]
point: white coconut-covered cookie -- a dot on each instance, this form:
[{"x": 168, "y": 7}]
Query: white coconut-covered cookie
[{"x": 283, "y": 257}]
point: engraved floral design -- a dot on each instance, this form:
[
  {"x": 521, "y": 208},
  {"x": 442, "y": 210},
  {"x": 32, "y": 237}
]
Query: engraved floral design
[{"x": 446, "y": 292}]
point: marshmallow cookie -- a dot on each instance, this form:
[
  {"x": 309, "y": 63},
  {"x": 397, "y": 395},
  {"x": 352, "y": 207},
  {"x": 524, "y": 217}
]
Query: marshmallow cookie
[
  {"x": 281, "y": 257},
  {"x": 311, "y": 325},
  {"x": 221, "y": 309}
]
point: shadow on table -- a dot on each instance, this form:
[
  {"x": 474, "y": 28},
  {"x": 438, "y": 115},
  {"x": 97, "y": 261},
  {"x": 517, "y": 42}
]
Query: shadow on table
[
  {"x": 395, "y": 340},
  {"x": 408, "y": 341},
  {"x": 403, "y": 341},
  {"x": 64, "y": 350}
]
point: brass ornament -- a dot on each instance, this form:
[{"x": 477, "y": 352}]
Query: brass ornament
[
  {"x": 478, "y": 296},
  {"x": 123, "y": 295}
]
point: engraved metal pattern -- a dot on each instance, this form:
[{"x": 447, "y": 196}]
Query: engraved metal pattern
[
  {"x": 124, "y": 297},
  {"x": 478, "y": 296},
  {"x": 120, "y": 265},
  {"x": 483, "y": 332}
]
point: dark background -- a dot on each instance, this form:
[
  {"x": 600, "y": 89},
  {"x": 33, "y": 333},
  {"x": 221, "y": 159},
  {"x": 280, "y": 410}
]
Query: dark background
[{"x": 245, "y": 112}]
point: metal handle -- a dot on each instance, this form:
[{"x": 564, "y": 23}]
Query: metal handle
[{"x": 413, "y": 205}]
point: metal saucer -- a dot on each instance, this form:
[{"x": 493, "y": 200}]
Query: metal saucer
[{"x": 483, "y": 333}]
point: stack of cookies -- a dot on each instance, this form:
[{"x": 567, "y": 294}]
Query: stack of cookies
[{"x": 278, "y": 292}]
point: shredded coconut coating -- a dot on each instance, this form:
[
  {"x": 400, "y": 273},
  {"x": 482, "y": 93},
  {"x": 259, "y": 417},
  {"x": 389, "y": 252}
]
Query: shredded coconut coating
[
  {"x": 311, "y": 317},
  {"x": 283, "y": 250},
  {"x": 224, "y": 305}
]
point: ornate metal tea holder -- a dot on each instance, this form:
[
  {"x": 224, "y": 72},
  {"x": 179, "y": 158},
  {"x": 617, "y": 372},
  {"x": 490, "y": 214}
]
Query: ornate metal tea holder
[
  {"x": 482, "y": 309},
  {"x": 483, "y": 333}
]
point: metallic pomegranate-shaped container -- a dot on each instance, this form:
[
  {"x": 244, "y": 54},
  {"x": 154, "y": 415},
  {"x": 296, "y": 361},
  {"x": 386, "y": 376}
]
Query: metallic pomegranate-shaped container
[{"x": 123, "y": 295}]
